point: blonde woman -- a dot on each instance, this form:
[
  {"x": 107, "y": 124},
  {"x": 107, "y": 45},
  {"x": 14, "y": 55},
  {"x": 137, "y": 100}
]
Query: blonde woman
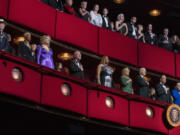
[
  {"x": 126, "y": 81},
  {"x": 121, "y": 27},
  {"x": 104, "y": 73},
  {"x": 140, "y": 34},
  {"x": 45, "y": 53}
]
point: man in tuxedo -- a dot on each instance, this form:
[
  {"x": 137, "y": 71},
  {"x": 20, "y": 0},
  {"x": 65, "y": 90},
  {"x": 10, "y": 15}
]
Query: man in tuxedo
[
  {"x": 57, "y": 4},
  {"x": 4, "y": 44},
  {"x": 163, "y": 91},
  {"x": 75, "y": 67},
  {"x": 150, "y": 37},
  {"x": 132, "y": 30},
  {"x": 142, "y": 84},
  {"x": 165, "y": 41},
  {"x": 106, "y": 21}
]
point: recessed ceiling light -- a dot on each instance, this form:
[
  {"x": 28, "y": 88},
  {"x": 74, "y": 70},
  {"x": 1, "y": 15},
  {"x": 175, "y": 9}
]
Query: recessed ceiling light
[
  {"x": 65, "y": 56},
  {"x": 119, "y": 1},
  {"x": 155, "y": 12}
]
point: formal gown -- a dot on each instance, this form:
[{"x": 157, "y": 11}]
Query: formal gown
[
  {"x": 176, "y": 95},
  {"x": 96, "y": 19},
  {"x": 126, "y": 87},
  {"x": 122, "y": 30},
  {"x": 45, "y": 57},
  {"x": 106, "y": 76}
]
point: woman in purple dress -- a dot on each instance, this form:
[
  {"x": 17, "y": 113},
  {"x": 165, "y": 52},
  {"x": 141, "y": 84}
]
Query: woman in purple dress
[{"x": 45, "y": 53}]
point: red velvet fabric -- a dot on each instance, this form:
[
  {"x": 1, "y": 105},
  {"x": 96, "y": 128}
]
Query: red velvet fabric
[
  {"x": 4, "y": 8},
  {"x": 52, "y": 95},
  {"x": 157, "y": 59},
  {"x": 117, "y": 46},
  {"x": 34, "y": 14},
  {"x": 174, "y": 131},
  {"x": 28, "y": 89},
  {"x": 76, "y": 31},
  {"x": 98, "y": 109},
  {"x": 139, "y": 119},
  {"x": 178, "y": 65}
]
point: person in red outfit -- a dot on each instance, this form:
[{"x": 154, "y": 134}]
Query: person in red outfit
[{"x": 68, "y": 7}]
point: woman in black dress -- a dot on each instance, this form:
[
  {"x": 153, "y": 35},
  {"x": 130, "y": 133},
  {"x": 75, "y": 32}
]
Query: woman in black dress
[
  {"x": 176, "y": 43},
  {"x": 104, "y": 73},
  {"x": 140, "y": 34},
  {"x": 84, "y": 14},
  {"x": 121, "y": 27}
]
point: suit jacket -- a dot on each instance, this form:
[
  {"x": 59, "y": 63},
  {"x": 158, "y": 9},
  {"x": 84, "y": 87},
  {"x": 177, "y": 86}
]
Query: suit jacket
[
  {"x": 130, "y": 30},
  {"x": 142, "y": 87},
  {"x": 104, "y": 23},
  {"x": 4, "y": 44},
  {"x": 149, "y": 39},
  {"x": 25, "y": 52},
  {"x": 74, "y": 70},
  {"x": 165, "y": 46},
  {"x": 54, "y": 4},
  {"x": 161, "y": 94}
]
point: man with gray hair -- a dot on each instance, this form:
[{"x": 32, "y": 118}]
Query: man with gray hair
[
  {"x": 142, "y": 84},
  {"x": 75, "y": 67}
]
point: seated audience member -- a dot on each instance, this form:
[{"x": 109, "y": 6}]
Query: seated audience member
[
  {"x": 153, "y": 93},
  {"x": 25, "y": 49},
  {"x": 140, "y": 34},
  {"x": 68, "y": 7},
  {"x": 142, "y": 84},
  {"x": 126, "y": 81},
  {"x": 176, "y": 94},
  {"x": 121, "y": 27},
  {"x": 163, "y": 91},
  {"x": 10, "y": 49},
  {"x": 75, "y": 67},
  {"x": 106, "y": 23},
  {"x": 176, "y": 43},
  {"x": 45, "y": 53},
  {"x": 104, "y": 73},
  {"x": 84, "y": 14},
  {"x": 4, "y": 44},
  {"x": 59, "y": 67},
  {"x": 57, "y": 4},
  {"x": 165, "y": 41},
  {"x": 132, "y": 30},
  {"x": 96, "y": 18},
  {"x": 150, "y": 37},
  {"x": 112, "y": 26}
]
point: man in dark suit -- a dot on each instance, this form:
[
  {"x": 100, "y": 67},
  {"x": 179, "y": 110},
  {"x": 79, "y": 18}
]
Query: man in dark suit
[
  {"x": 57, "y": 4},
  {"x": 150, "y": 37},
  {"x": 4, "y": 44},
  {"x": 132, "y": 30},
  {"x": 165, "y": 41},
  {"x": 142, "y": 84},
  {"x": 25, "y": 49},
  {"x": 106, "y": 21},
  {"x": 75, "y": 67},
  {"x": 163, "y": 91}
]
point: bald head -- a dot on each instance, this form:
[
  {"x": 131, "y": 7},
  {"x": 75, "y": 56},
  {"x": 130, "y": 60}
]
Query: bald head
[
  {"x": 77, "y": 55},
  {"x": 142, "y": 71}
]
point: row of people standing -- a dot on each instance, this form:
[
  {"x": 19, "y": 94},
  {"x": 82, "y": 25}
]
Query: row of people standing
[{"x": 104, "y": 77}]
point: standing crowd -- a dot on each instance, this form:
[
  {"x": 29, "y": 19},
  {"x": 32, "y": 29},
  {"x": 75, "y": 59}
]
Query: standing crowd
[
  {"x": 127, "y": 28},
  {"x": 43, "y": 54}
]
